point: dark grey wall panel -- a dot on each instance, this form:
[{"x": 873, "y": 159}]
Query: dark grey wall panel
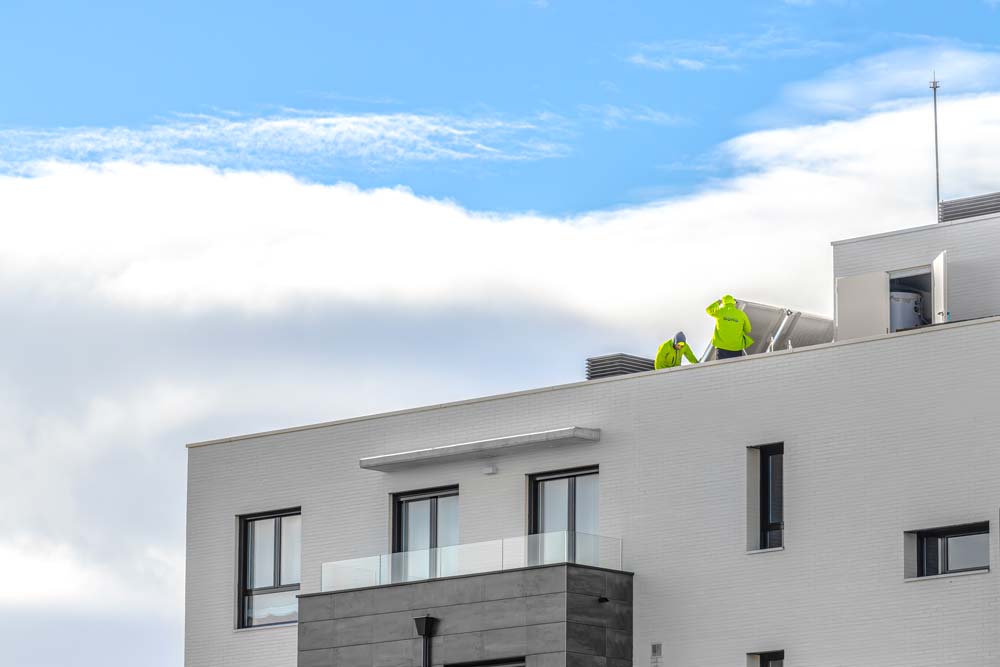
[{"x": 550, "y": 616}]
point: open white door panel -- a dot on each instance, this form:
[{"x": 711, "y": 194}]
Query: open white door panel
[
  {"x": 939, "y": 288},
  {"x": 862, "y": 305}
]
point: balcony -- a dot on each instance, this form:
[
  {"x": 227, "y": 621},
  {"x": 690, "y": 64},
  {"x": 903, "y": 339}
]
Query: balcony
[
  {"x": 534, "y": 601},
  {"x": 474, "y": 558}
]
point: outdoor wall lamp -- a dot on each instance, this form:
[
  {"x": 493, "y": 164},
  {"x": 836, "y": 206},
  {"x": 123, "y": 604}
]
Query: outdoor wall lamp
[{"x": 425, "y": 628}]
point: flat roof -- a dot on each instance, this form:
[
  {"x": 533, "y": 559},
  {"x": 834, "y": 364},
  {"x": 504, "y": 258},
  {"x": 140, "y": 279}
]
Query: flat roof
[
  {"x": 936, "y": 328},
  {"x": 921, "y": 228}
]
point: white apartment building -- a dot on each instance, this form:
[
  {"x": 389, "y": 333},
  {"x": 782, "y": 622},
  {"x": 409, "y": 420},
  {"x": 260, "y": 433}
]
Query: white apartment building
[{"x": 826, "y": 506}]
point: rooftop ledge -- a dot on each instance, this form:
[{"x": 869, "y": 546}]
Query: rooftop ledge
[
  {"x": 877, "y": 339},
  {"x": 570, "y": 435}
]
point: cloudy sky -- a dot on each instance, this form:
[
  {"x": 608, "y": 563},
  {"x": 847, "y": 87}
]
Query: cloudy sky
[{"x": 225, "y": 217}]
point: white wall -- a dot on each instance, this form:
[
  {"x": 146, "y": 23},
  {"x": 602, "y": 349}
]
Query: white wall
[
  {"x": 973, "y": 260},
  {"x": 881, "y": 437}
]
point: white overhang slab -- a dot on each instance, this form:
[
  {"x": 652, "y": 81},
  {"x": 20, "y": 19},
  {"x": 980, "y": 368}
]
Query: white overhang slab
[{"x": 571, "y": 435}]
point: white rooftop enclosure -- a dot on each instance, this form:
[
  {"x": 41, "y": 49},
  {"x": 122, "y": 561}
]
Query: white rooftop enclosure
[{"x": 960, "y": 259}]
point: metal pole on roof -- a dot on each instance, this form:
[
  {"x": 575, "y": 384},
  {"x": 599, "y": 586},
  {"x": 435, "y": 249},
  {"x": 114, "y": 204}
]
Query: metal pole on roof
[{"x": 935, "y": 84}]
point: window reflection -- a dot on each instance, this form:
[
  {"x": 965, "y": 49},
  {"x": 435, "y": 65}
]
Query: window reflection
[
  {"x": 262, "y": 553},
  {"x": 426, "y": 524}
]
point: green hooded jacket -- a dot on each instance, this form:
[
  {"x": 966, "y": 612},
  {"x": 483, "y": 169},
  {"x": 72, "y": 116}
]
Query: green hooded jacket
[
  {"x": 668, "y": 357},
  {"x": 732, "y": 327}
]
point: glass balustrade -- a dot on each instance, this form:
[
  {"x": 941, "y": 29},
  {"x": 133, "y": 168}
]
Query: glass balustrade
[{"x": 490, "y": 556}]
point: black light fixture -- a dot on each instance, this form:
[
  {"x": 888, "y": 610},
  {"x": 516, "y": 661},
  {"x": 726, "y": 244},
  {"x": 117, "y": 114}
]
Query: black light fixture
[{"x": 425, "y": 628}]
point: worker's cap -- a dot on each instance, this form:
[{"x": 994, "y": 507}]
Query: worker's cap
[
  {"x": 679, "y": 337},
  {"x": 728, "y": 300}
]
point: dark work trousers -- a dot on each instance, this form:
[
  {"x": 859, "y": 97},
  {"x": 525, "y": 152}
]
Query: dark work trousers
[{"x": 727, "y": 354}]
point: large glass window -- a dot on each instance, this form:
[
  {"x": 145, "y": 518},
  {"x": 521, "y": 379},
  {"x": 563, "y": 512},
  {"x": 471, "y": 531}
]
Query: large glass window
[
  {"x": 954, "y": 549},
  {"x": 425, "y": 525},
  {"x": 772, "y": 496},
  {"x": 564, "y": 517},
  {"x": 270, "y": 568}
]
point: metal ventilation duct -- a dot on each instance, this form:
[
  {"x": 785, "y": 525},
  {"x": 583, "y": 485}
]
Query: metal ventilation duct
[
  {"x": 616, "y": 364},
  {"x": 969, "y": 207}
]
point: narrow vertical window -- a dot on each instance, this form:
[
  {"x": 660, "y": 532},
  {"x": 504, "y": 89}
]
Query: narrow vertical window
[
  {"x": 270, "y": 555},
  {"x": 563, "y": 514},
  {"x": 425, "y": 525},
  {"x": 771, "y": 496},
  {"x": 765, "y": 497}
]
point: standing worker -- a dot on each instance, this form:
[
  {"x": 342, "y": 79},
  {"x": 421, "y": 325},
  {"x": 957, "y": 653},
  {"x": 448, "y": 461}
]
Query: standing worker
[
  {"x": 732, "y": 328},
  {"x": 669, "y": 354}
]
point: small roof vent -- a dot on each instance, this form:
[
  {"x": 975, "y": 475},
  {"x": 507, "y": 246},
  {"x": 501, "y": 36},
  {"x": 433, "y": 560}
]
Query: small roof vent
[
  {"x": 616, "y": 364},
  {"x": 969, "y": 207}
]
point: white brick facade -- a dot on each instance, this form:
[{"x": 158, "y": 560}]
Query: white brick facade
[{"x": 881, "y": 436}]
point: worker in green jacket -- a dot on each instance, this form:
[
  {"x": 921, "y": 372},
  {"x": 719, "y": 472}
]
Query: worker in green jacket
[
  {"x": 669, "y": 354},
  {"x": 732, "y": 328}
]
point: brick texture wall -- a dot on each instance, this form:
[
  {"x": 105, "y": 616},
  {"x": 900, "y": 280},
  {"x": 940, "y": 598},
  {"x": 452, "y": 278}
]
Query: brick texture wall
[{"x": 881, "y": 436}]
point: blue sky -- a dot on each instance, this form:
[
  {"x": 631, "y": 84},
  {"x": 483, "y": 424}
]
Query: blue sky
[
  {"x": 222, "y": 218},
  {"x": 627, "y": 100}
]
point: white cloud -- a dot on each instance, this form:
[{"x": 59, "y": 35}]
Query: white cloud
[
  {"x": 614, "y": 116},
  {"x": 730, "y": 52},
  {"x": 901, "y": 74},
  {"x": 663, "y": 62},
  {"x": 193, "y": 238},
  {"x": 41, "y": 575},
  {"x": 281, "y": 140}
]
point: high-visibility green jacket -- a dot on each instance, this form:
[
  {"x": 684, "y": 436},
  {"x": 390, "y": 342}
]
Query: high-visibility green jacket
[
  {"x": 668, "y": 357},
  {"x": 732, "y": 327}
]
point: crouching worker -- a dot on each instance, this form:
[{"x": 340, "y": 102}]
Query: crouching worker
[
  {"x": 669, "y": 354},
  {"x": 732, "y": 328}
]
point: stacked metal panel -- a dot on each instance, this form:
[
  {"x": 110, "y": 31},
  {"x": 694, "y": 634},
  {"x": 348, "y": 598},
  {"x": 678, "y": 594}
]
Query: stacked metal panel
[
  {"x": 778, "y": 328},
  {"x": 616, "y": 364},
  {"x": 969, "y": 207}
]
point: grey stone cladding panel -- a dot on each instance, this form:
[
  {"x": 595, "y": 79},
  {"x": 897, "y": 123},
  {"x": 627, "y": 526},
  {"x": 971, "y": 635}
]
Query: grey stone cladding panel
[{"x": 518, "y": 614}]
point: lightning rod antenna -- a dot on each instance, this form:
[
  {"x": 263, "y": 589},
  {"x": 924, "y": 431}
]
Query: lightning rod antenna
[{"x": 935, "y": 84}]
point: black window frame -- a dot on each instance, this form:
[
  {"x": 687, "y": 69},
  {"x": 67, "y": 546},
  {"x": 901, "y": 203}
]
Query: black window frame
[
  {"x": 398, "y": 499},
  {"x": 944, "y": 534},
  {"x": 242, "y": 591},
  {"x": 767, "y": 527},
  {"x": 766, "y": 658},
  {"x": 533, "y": 496}
]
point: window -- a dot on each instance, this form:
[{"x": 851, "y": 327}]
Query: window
[
  {"x": 954, "y": 549},
  {"x": 769, "y": 659},
  {"x": 765, "y": 497},
  {"x": 425, "y": 525},
  {"x": 563, "y": 512},
  {"x": 270, "y": 567}
]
